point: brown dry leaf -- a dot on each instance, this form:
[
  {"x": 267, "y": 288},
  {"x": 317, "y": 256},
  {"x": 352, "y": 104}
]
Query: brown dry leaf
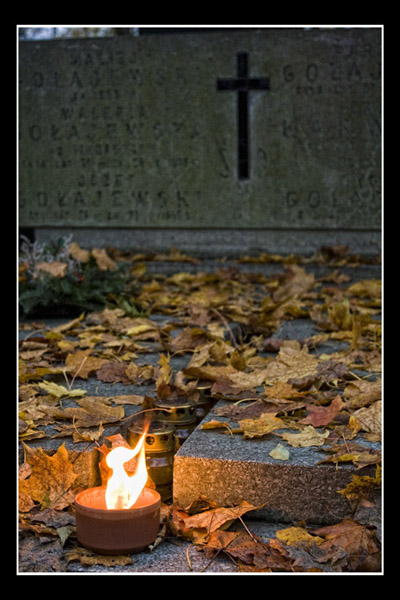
[
  {"x": 253, "y": 554},
  {"x": 361, "y": 393},
  {"x": 371, "y": 288},
  {"x": 165, "y": 371},
  {"x": 359, "y": 455},
  {"x": 191, "y": 338},
  {"x": 87, "y": 558},
  {"x": 94, "y": 410},
  {"x": 292, "y": 363},
  {"x": 56, "y": 268},
  {"x": 261, "y": 426},
  {"x": 28, "y": 372},
  {"x": 358, "y": 541},
  {"x": 340, "y": 315},
  {"x": 50, "y": 481},
  {"x": 246, "y": 411},
  {"x": 370, "y": 418},
  {"x": 297, "y": 283},
  {"x": 210, "y": 372},
  {"x": 138, "y": 375},
  {"x": 112, "y": 372},
  {"x": 214, "y": 424},
  {"x": 78, "y": 253},
  {"x": 81, "y": 364},
  {"x": 283, "y": 390},
  {"x": 200, "y": 525},
  {"x": 36, "y": 408},
  {"x": 104, "y": 262},
  {"x": 88, "y": 435},
  {"x": 133, "y": 399},
  {"x": 308, "y": 437},
  {"x": 319, "y": 416}
]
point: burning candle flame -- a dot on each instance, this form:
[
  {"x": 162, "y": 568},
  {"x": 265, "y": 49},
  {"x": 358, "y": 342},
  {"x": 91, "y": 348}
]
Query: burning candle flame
[{"x": 122, "y": 489}]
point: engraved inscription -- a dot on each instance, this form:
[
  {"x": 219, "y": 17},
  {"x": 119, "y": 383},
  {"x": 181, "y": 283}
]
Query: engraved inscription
[{"x": 131, "y": 133}]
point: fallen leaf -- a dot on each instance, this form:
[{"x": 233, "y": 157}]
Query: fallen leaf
[
  {"x": 87, "y": 558},
  {"x": 362, "y": 486},
  {"x": 371, "y": 288},
  {"x": 59, "y": 391},
  {"x": 94, "y": 410},
  {"x": 280, "y": 452},
  {"x": 78, "y": 254},
  {"x": 319, "y": 416},
  {"x": 292, "y": 363},
  {"x": 133, "y": 399},
  {"x": 370, "y": 419},
  {"x": 112, "y": 372},
  {"x": 53, "y": 518},
  {"x": 362, "y": 393},
  {"x": 297, "y": 535},
  {"x": 352, "y": 452},
  {"x": 261, "y": 426},
  {"x": 50, "y": 481},
  {"x": 82, "y": 364},
  {"x": 199, "y": 526},
  {"x": 282, "y": 389},
  {"x": 56, "y": 268},
  {"x": 165, "y": 372},
  {"x": 297, "y": 283},
  {"x": 358, "y": 541},
  {"x": 340, "y": 315},
  {"x": 308, "y": 437},
  {"x": 213, "y": 424},
  {"x": 104, "y": 262},
  {"x": 252, "y": 553}
]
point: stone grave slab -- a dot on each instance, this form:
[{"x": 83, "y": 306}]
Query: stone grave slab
[
  {"x": 226, "y": 468},
  {"x": 259, "y": 138}
]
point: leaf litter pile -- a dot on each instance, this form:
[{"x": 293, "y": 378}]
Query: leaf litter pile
[{"x": 226, "y": 324}]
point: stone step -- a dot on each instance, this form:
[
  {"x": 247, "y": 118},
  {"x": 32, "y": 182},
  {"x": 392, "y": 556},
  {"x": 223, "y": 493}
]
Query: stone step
[{"x": 226, "y": 469}]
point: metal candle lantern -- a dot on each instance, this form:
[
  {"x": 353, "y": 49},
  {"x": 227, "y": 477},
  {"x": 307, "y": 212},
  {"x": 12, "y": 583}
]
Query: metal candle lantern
[
  {"x": 179, "y": 412},
  {"x": 204, "y": 403},
  {"x": 160, "y": 445}
]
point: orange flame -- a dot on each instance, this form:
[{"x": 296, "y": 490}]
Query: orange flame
[{"x": 122, "y": 489}]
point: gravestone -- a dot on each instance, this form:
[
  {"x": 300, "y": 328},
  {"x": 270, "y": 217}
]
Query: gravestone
[{"x": 237, "y": 140}]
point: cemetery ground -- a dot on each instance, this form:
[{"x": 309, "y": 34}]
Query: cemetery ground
[{"x": 281, "y": 475}]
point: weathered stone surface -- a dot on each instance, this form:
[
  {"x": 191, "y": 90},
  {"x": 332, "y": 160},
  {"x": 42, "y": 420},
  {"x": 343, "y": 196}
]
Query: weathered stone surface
[
  {"x": 138, "y": 133},
  {"x": 228, "y": 469}
]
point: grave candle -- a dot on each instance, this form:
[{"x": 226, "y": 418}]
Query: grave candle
[{"x": 123, "y": 516}]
